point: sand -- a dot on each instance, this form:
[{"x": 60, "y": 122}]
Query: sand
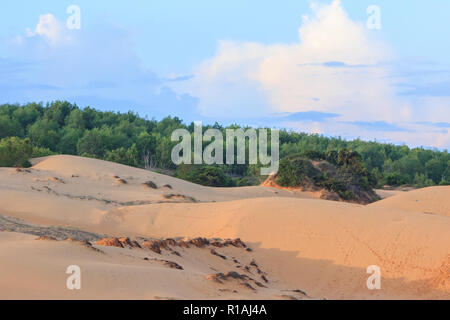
[
  {"x": 306, "y": 248},
  {"x": 433, "y": 200}
]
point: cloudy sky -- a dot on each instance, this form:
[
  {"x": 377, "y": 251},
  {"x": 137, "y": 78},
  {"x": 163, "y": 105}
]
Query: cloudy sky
[{"x": 314, "y": 66}]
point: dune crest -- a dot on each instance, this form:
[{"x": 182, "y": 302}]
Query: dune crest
[{"x": 431, "y": 200}]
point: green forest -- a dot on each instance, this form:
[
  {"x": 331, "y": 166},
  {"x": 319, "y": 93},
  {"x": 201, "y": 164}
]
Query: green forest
[{"x": 37, "y": 129}]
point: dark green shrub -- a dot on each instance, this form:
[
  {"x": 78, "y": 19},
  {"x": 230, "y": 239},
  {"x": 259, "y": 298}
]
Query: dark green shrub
[
  {"x": 396, "y": 179},
  {"x": 210, "y": 176},
  {"x": 15, "y": 152},
  {"x": 295, "y": 171},
  {"x": 332, "y": 156},
  {"x": 121, "y": 155},
  {"x": 247, "y": 181},
  {"x": 314, "y": 155}
]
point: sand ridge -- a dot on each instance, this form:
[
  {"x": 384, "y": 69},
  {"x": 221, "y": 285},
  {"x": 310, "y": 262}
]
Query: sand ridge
[{"x": 432, "y": 200}]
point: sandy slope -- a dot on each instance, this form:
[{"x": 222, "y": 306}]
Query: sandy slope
[
  {"x": 320, "y": 247},
  {"x": 64, "y": 189},
  {"x": 432, "y": 200},
  {"x": 103, "y": 172},
  {"x": 383, "y": 194},
  {"x": 33, "y": 269}
]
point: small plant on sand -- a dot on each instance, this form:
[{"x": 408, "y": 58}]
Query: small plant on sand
[{"x": 150, "y": 184}]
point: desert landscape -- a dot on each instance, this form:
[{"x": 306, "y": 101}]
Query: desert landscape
[{"x": 137, "y": 234}]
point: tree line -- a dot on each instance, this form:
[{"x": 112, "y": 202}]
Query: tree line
[{"x": 34, "y": 129}]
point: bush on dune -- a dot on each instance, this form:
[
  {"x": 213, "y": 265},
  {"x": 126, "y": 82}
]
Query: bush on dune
[
  {"x": 211, "y": 176},
  {"x": 341, "y": 172},
  {"x": 15, "y": 152}
]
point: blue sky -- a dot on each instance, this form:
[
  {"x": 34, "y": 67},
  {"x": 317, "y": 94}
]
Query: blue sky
[{"x": 307, "y": 65}]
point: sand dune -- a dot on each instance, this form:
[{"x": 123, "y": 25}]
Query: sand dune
[
  {"x": 36, "y": 269},
  {"x": 97, "y": 171},
  {"x": 306, "y": 248},
  {"x": 64, "y": 189},
  {"x": 320, "y": 246},
  {"x": 432, "y": 200}
]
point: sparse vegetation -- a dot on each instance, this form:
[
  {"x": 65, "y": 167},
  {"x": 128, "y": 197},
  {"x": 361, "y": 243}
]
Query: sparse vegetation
[
  {"x": 341, "y": 172},
  {"x": 15, "y": 152},
  {"x": 173, "y": 196},
  {"x": 120, "y": 180},
  {"x": 212, "y": 176},
  {"x": 150, "y": 184}
]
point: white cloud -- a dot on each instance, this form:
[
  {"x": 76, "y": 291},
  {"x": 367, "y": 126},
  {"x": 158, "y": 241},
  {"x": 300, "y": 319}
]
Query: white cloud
[
  {"x": 290, "y": 77},
  {"x": 97, "y": 65},
  {"x": 413, "y": 134},
  {"x": 52, "y": 30},
  {"x": 432, "y": 109},
  {"x": 337, "y": 66}
]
